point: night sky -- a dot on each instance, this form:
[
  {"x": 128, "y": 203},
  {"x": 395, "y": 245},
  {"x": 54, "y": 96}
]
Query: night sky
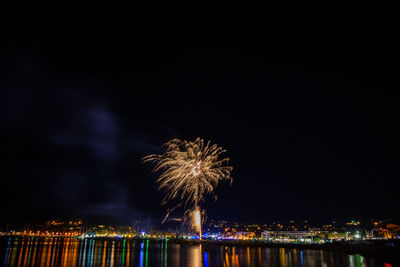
[{"x": 309, "y": 117}]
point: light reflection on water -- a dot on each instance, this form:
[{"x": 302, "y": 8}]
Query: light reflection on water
[{"x": 145, "y": 253}]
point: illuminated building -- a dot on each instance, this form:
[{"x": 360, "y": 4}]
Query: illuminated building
[
  {"x": 245, "y": 235},
  {"x": 288, "y": 235}
]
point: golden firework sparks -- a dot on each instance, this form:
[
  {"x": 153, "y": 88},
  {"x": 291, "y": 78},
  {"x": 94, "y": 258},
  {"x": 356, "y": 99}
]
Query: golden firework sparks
[
  {"x": 195, "y": 219},
  {"x": 189, "y": 171}
]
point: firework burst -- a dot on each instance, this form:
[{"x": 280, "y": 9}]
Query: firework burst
[{"x": 189, "y": 172}]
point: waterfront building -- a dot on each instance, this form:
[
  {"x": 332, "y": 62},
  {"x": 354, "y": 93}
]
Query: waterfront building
[
  {"x": 303, "y": 236},
  {"x": 245, "y": 235}
]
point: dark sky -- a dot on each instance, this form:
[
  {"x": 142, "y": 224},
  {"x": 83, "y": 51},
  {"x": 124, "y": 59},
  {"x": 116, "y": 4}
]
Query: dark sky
[{"x": 308, "y": 114}]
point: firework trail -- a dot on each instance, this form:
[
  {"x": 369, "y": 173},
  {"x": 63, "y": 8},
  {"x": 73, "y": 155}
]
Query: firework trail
[{"x": 189, "y": 171}]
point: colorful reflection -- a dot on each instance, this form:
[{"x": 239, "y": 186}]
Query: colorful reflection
[{"x": 69, "y": 251}]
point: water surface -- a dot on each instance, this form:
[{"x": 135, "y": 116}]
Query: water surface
[{"x": 145, "y": 253}]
